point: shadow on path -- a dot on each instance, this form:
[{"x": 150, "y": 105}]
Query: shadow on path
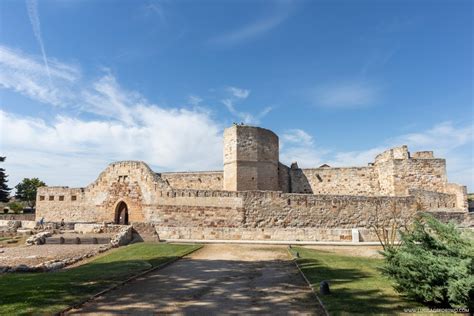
[{"x": 212, "y": 286}]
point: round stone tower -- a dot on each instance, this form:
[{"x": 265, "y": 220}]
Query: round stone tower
[{"x": 250, "y": 159}]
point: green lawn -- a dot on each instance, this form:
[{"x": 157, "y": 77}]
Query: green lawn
[
  {"x": 46, "y": 293},
  {"x": 356, "y": 284}
]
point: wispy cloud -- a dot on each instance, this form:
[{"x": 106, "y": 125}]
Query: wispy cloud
[
  {"x": 32, "y": 8},
  {"x": 194, "y": 100},
  {"x": 238, "y": 94},
  {"x": 298, "y": 137},
  {"x": 281, "y": 11},
  {"x": 154, "y": 8},
  {"x": 125, "y": 126},
  {"x": 350, "y": 94},
  {"x": 25, "y": 74},
  {"x": 296, "y": 145},
  {"x": 108, "y": 99}
]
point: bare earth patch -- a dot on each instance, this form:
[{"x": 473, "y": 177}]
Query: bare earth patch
[
  {"x": 33, "y": 255},
  {"x": 217, "y": 279},
  {"x": 357, "y": 251}
]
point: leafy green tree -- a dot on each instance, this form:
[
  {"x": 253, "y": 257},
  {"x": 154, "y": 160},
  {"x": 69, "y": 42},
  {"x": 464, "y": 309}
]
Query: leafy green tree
[
  {"x": 15, "y": 207},
  {"x": 434, "y": 264},
  {"x": 26, "y": 190},
  {"x": 4, "y": 189}
]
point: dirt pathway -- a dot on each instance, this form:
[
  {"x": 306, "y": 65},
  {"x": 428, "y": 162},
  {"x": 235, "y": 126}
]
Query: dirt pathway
[{"x": 217, "y": 279}]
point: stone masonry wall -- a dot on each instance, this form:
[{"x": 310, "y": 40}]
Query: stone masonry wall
[
  {"x": 208, "y": 180},
  {"x": 344, "y": 181},
  {"x": 257, "y": 215},
  {"x": 132, "y": 182},
  {"x": 426, "y": 174},
  {"x": 429, "y": 200},
  {"x": 394, "y": 173}
]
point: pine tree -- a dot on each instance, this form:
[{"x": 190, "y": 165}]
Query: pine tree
[
  {"x": 434, "y": 264},
  {"x": 4, "y": 189}
]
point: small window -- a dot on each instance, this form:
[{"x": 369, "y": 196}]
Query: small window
[
  {"x": 61, "y": 197},
  {"x": 288, "y": 202},
  {"x": 41, "y": 197},
  {"x": 51, "y": 197},
  {"x": 73, "y": 198}
]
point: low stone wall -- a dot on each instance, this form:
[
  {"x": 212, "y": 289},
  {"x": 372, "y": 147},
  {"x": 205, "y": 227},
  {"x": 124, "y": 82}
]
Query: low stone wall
[
  {"x": 461, "y": 219},
  {"x": 264, "y": 234},
  {"x": 17, "y": 217}
]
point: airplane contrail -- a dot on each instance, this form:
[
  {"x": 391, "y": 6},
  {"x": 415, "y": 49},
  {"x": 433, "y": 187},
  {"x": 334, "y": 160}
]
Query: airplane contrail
[{"x": 32, "y": 8}]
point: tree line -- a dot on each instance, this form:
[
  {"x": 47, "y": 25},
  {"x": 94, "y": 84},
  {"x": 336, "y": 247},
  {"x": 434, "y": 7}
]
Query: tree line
[{"x": 25, "y": 191}]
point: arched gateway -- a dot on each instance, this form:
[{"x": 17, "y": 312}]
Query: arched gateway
[{"x": 121, "y": 214}]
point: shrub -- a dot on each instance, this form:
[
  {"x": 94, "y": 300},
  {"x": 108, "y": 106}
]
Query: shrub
[
  {"x": 434, "y": 264},
  {"x": 15, "y": 207}
]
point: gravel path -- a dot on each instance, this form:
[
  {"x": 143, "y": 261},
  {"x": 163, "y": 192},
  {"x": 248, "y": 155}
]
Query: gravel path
[
  {"x": 33, "y": 255},
  {"x": 217, "y": 279}
]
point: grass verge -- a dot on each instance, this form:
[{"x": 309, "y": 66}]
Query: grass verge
[
  {"x": 357, "y": 286},
  {"x": 47, "y": 293}
]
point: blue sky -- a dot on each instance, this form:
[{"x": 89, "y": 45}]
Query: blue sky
[{"x": 85, "y": 83}]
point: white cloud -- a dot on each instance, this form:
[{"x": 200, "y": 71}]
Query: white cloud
[
  {"x": 157, "y": 137},
  {"x": 194, "y": 100},
  {"x": 245, "y": 117},
  {"x": 26, "y": 75},
  {"x": 74, "y": 150},
  {"x": 259, "y": 27},
  {"x": 345, "y": 95},
  {"x": 106, "y": 98},
  {"x": 296, "y": 145},
  {"x": 238, "y": 92},
  {"x": 237, "y": 95},
  {"x": 297, "y": 136},
  {"x": 155, "y": 8}
]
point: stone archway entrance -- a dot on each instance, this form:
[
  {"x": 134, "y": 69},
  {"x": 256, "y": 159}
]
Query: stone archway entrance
[{"x": 121, "y": 214}]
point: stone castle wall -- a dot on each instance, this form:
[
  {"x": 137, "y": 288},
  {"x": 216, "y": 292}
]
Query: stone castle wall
[
  {"x": 248, "y": 215},
  {"x": 129, "y": 181},
  {"x": 207, "y": 180},
  {"x": 394, "y": 173},
  {"x": 257, "y": 197},
  {"x": 346, "y": 181}
]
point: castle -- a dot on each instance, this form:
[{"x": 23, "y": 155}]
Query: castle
[{"x": 256, "y": 197}]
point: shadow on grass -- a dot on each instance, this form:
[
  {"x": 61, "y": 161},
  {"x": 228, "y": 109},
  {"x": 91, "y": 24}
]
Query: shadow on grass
[
  {"x": 357, "y": 285},
  {"x": 53, "y": 291}
]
